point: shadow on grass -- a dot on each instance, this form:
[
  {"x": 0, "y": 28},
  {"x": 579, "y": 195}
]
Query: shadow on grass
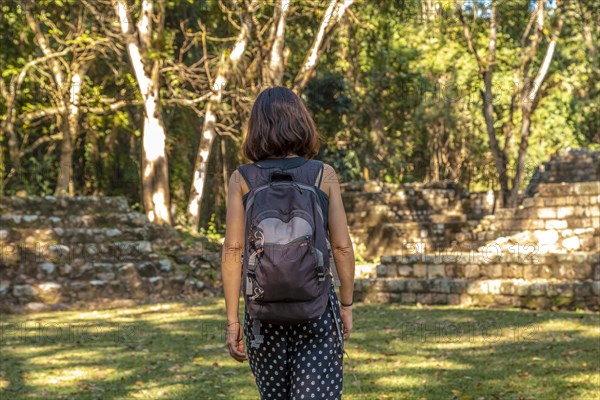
[{"x": 177, "y": 351}]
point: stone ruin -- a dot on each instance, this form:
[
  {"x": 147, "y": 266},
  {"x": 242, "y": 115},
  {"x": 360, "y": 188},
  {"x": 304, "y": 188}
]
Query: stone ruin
[
  {"x": 87, "y": 252},
  {"x": 444, "y": 246},
  {"x": 441, "y": 245}
]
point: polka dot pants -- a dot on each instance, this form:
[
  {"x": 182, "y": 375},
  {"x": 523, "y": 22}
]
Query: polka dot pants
[{"x": 299, "y": 362}]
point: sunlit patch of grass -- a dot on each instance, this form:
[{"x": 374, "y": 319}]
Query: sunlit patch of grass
[{"x": 176, "y": 350}]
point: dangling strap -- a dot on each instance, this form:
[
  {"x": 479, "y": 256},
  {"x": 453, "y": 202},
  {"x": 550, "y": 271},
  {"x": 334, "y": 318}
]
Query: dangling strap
[
  {"x": 258, "y": 338},
  {"x": 332, "y": 266},
  {"x": 337, "y": 325},
  {"x": 319, "y": 177}
]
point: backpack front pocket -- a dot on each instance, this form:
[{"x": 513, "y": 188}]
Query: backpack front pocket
[{"x": 288, "y": 272}]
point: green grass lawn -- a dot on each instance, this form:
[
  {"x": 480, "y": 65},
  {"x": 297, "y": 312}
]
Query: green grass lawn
[{"x": 177, "y": 351}]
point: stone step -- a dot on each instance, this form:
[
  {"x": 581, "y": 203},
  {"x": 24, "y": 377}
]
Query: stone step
[
  {"x": 568, "y": 189},
  {"x": 372, "y": 218},
  {"x": 83, "y": 269},
  {"x": 129, "y": 285},
  {"x": 560, "y": 201},
  {"x": 109, "y": 219},
  {"x": 479, "y": 266},
  {"x": 31, "y": 236},
  {"x": 486, "y": 257},
  {"x": 536, "y": 293},
  {"x": 38, "y": 252},
  {"x": 62, "y": 206}
]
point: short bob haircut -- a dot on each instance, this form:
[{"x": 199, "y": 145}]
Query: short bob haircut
[{"x": 280, "y": 125}]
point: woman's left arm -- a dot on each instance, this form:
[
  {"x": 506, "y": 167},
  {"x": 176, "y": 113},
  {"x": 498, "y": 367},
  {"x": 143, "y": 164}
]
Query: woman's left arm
[{"x": 231, "y": 266}]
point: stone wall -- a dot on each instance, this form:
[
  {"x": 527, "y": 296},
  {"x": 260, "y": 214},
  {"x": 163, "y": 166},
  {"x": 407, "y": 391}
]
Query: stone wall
[
  {"x": 72, "y": 252},
  {"x": 386, "y": 217},
  {"x": 542, "y": 254}
]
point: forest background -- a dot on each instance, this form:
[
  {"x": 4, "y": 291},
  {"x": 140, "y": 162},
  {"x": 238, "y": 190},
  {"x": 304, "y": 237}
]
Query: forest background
[{"x": 148, "y": 99}]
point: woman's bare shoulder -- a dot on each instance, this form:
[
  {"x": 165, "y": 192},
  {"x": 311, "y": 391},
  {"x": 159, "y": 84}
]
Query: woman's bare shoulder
[
  {"x": 237, "y": 182},
  {"x": 330, "y": 179}
]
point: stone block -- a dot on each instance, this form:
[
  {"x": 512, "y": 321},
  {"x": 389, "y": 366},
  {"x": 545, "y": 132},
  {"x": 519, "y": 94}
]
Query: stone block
[
  {"x": 395, "y": 298},
  {"x": 466, "y": 300},
  {"x": 439, "y": 298},
  {"x": 440, "y": 285},
  {"x": 521, "y": 288},
  {"x": 49, "y": 292},
  {"x": 531, "y": 272},
  {"x": 503, "y": 301},
  {"x": 560, "y": 301},
  {"x": 537, "y": 303},
  {"x": 48, "y": 268},
  {"x": 571, "y": 243},
  {"x": 436, "y": 271},
  {"x": 472, "y": 271},
  {"x": 458, "y": 285},
  {"x": 532, "y": 224},
  {"x": 582, "y": 271},
  {"x": 537, "y": 289},
  {"x": 409, "y": 298},
  {"x": 496, "y": 271},
  {"x": 420, "y": 271},
  {"x": 494, "y": 286},
  {"x": 564, "y": 272},
  {"x": 560, "y": 289},
  {"x": 556, "y": 224},
  {"x": 387, "y": 259},
  {"x": 425, "y": 298},
  {"x": 105, "y": 276},
  {"x": 415, "y": 285},
  {"x": 545, "y": 237},
  {"x": 582, "y": 290},
  {"x": 507, "y": 288},
  {"x": 563, "y": 212},
  {"x": 395, "y": 285},
  {"x": 575, "y": 223},
  {"x": 405, "y": 270},
  {"x": 382, "y": 297},
  {"x": 545, "y": 272},
  {"x": 450, "y": 270},
  {"x": 454, "y": 299},
  {"x": 596, "y": 272},
  {"x": 513, "y": 271},
  {"x": 24, "y": 291},
  {"x": 477, "y": 287},
  {"x": 546, "y": 213}
]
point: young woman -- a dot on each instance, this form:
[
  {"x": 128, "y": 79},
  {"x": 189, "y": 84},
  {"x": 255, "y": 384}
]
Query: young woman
[{"x": 301, "y": 361}]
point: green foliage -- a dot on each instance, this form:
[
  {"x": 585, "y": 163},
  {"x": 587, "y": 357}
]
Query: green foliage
[
  {"x": 396, "y": 95},
  {"x": 211, "y": 232}
]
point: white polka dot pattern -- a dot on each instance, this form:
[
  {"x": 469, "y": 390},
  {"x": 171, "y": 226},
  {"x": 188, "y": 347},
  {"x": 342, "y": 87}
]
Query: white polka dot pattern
[{"x": 303, "y": 361}]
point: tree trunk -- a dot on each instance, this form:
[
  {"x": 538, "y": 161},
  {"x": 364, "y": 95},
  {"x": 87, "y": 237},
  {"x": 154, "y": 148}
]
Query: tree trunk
[
  {"x": 497, "y": 154},
  {"x": 155, "y": 172},
  {"x": 65, "y": 185},
  {"x": 274, "y": 73},
  {"x": 334, "y": 13},
  {"x": 527, "y": 109},
  {"x": 208, "y": 129}
]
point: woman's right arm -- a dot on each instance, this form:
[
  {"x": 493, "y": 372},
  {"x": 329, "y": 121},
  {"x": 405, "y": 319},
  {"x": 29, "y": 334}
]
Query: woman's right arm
[{"x": 341, "y": 244}]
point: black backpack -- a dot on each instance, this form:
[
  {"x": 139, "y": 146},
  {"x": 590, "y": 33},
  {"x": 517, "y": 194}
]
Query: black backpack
[{"x": 286, "y": 256}]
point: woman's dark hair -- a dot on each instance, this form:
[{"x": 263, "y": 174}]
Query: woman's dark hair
[{"x": 280, "y": 125}]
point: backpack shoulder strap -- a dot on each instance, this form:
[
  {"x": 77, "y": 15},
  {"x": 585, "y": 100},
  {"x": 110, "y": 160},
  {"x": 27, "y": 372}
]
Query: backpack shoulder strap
[
  {"x": 253, "y": 175},
  {"x": 319, "y": 177}
]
